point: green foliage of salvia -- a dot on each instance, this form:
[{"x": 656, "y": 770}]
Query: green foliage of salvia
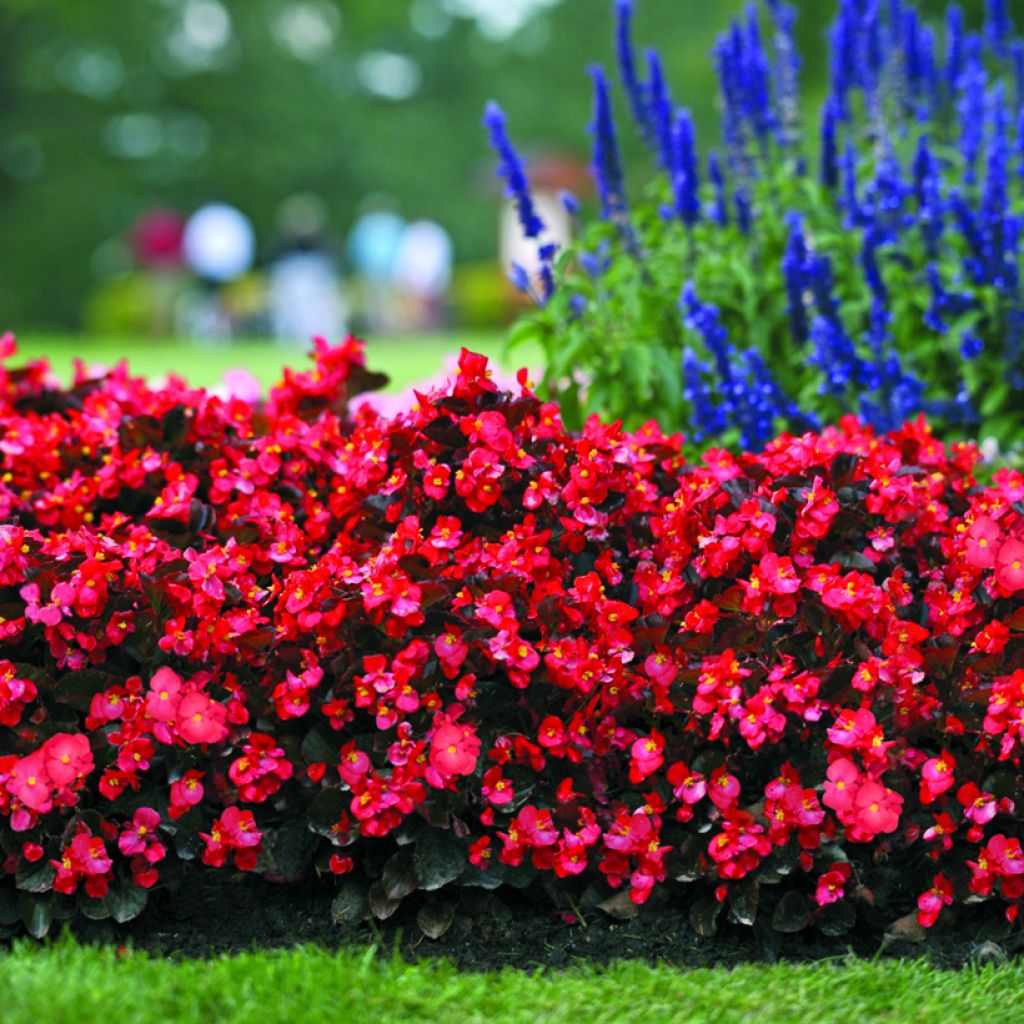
[{"x": 780, "y": 283}]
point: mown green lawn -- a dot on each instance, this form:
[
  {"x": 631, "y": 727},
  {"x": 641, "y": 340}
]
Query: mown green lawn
[
  {"x": 406, "y": 360},
  {"x": 66, "y": 983}
]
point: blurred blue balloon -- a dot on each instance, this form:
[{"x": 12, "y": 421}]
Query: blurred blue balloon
[{"x": 373, "y": 244}]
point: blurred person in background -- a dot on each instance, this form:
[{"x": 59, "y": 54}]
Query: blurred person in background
[
  {"x": 110, "y": 109},
  {"x": 157, "y": 238},
  {"x": 423, "y": 275},
  {"x": 219, "y": 246},
  {"x": 305, "y": 297},
  {"x": 373, "y": 245},
  {"x": 141, "y": 277}
]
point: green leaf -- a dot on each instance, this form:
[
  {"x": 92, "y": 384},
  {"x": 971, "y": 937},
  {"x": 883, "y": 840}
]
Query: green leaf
[
  {"x": 837, "y": 918},
  {"x": 572, "y": 412},
  {"x": 36, "y": 877},
  {"x": 493, "y": 877},
  {"x": 187, "y": 842},
  {"x": 318, "y": 747},
  {"x": 995, "y": 397},
  {"x": 42, "y": 678},
  {"x": 350, "y": 906},
  {"x": 704, "y": 916},
  {"x": 125, "y": 900},
  {"x": 36, "y": 914},
  {"x": 1002, "y": 784},
  {"x": 435, "y": 919},
  {"x": 791, "y": 914},
  {"x": 10, "y": 911},
  {"x": 381, "y": 905},
  {"x": 569, "y": 355},
  {"x": 77, "y": 689},
  {"x": 92, "y": 908},
  {"x": 399, "y": 877},
  {"x": 619, "y": 906},
  {"x": 743, "y": 897},
  {"x": 526, "y": 332},
  {"x": 292, "y": 847},
  {"x": 325, "y": 810},
  {"x": 667, "y": 379},
  {"x": 639, "y": 372},
  {"x": 438, "y": 859}
]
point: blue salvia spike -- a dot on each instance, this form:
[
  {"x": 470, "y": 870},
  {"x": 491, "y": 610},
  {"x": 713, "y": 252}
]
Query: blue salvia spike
[
  {"x": 934, "y": 317},
  {"x": 780, "y": 404},
  {"x": 729, "y": 60},
  {"x": 845, "y": 39},
  {"x": 911, "y": 51},
  {"x": 749, "y": 400},
  {"x": 923, "y": 169},
  {"x": 758, "y": 80},
  {"x": 819, "y": 277},
  {"x": 707, "y": 417},
  {"x": 794, "y": 276},
  {"x": 686, "y": 173},
  {"x": 851, "y": 203},
  {"x": 871, "y": 46},
  {"x": 996, "y": 192},
  {"x": 1020, "y": 142},
  {"x": 889, "y": 193},
  {"x": 744, "y": 210},
  {"x": 719, "y": 206},
  {"x": 954, "y": 67},
  {"x": 659, "y": 103},
  {"x": 971, "y": 346},
  {"x": 1017, "y": 57},
  {"x": 928, "y": 85},
  {"x": 896, "y": 22},
  {"x": 869, "y": 261},
  {"x": 927, "y": 190},
  {"x": 787, "y": 72},
  {"x": 834, "y": 354},
  {"x": 998, "y": 26},
  {"x": 919, "y": 57},
  {"x": 970, "y": 106},
  {"x": 631, "y": 83},
  {"x": 606, "y": 167},
  {"x": 520, "y": 278},
  {"x": 830, "y": 145},
  {"x": 974, "y": 263},
  {"x": 513, "y": 170},
  {"x": 878, "y": 342},
  {"x": 705, "y": 320},
  {"x": 547, "y": 281}
]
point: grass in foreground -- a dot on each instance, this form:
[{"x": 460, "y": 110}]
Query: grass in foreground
[
  {"x": 407, "y": 360},
  {"x": 67, "y": 983}
]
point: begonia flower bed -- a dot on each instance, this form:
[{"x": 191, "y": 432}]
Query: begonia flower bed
[{"x": 464, "y": 647}]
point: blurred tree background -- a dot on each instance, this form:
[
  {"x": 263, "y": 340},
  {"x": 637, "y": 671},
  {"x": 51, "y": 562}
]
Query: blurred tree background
[{"x": 109, "y": 109}]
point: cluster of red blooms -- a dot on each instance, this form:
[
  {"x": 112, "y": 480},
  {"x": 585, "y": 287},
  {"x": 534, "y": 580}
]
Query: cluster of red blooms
[{"x": 581, "y": 653}]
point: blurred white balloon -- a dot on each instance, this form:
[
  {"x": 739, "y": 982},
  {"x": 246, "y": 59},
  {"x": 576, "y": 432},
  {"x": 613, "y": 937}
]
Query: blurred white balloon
[{"x": 219, "y": 242}]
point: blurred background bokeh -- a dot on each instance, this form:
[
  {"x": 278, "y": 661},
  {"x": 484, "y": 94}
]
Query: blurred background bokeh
[{"x": 333, "y": 150}]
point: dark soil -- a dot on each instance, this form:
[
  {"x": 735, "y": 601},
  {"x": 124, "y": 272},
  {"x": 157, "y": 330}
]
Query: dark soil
[{"x": 490, "y": 931}]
